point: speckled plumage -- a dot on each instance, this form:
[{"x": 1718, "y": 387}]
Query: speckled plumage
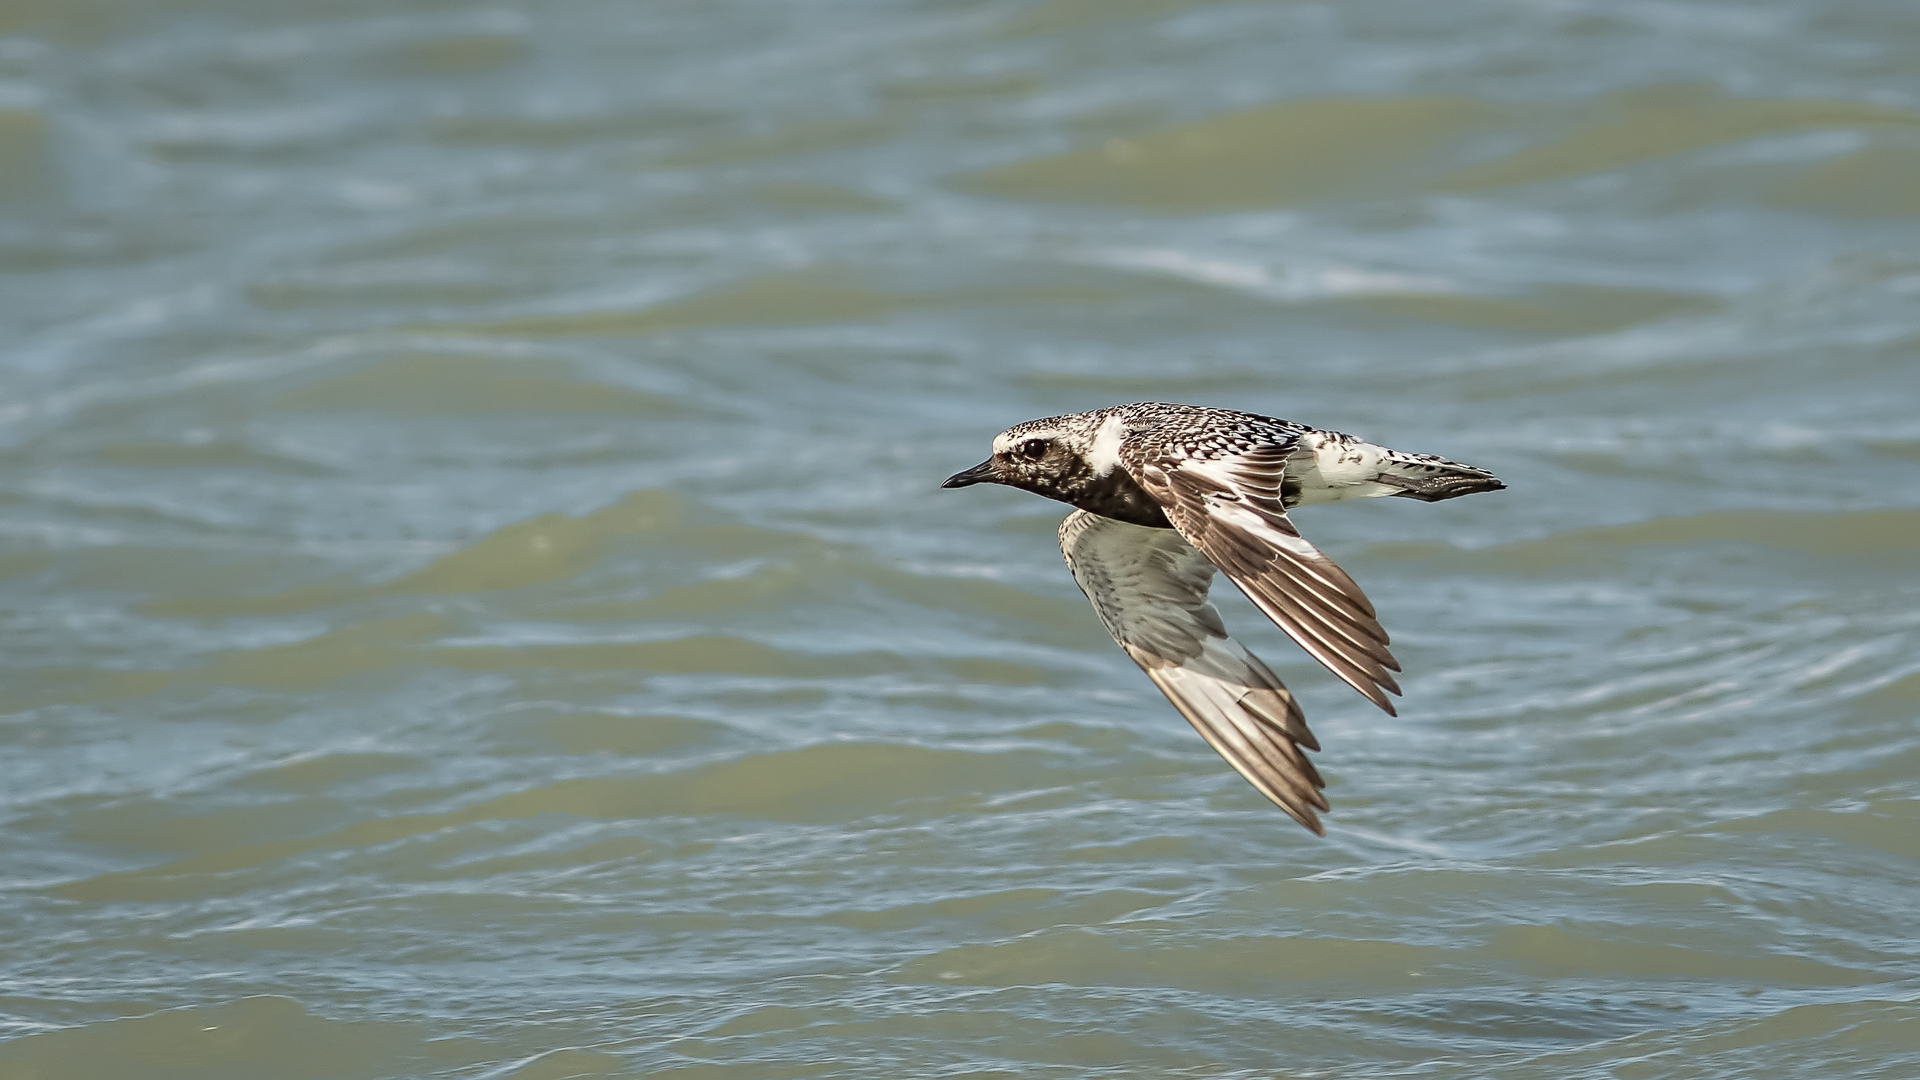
[{"x": 1165, "y": 495}]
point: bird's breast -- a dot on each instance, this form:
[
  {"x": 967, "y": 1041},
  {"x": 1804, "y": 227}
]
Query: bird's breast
[{"x": 1117, "y": 496}]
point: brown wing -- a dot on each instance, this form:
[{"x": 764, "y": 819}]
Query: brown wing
[
  {"x": 1149, "y": 588},
  {"x": 1230, "y": 509}
]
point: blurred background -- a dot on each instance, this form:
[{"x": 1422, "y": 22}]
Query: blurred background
[{"x": 478, "y": 601}]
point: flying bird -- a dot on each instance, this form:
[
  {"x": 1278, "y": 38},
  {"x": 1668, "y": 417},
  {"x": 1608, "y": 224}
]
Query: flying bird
[{"x": 1165, "y": 495}]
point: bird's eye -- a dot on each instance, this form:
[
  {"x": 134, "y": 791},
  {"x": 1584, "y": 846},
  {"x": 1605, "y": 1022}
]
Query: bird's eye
[{"x": 1033, "y": 449}]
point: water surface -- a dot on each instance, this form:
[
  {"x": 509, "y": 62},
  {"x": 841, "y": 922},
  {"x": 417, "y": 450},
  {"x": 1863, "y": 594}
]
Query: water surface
[{"x": 479, "y": 602}]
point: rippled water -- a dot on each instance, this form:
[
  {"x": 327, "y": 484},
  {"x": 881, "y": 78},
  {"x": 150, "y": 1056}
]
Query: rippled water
[{"x": 479, "y": 604}]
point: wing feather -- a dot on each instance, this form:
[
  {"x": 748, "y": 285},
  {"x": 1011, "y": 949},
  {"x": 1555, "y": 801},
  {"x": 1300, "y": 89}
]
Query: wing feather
[
  {"x": 1230, "y": 508},
  {"x": 1149, "y": 587}
]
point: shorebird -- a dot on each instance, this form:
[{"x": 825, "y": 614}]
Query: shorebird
[{"x": 1165, "y": 495}]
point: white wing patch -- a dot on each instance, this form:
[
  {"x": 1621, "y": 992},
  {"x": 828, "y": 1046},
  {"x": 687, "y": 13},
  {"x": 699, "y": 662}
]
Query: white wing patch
[{"x": 1257, "y": 525}]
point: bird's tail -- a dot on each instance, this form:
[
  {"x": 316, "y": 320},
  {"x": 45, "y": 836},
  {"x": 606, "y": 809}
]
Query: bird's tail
[{"x": 1431, "y": 479}]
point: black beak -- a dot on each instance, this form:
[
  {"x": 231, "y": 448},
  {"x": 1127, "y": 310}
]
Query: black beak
[{"x": 982, "y": 473}]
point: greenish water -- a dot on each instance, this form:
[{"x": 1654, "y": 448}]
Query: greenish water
[{"x": 478, "y": 601}]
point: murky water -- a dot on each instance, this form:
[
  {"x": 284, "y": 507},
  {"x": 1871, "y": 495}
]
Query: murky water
[{"x": 478, "y": 601}]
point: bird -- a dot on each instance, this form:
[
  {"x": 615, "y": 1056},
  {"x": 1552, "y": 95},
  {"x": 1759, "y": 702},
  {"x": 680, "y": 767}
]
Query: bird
[{"x": 1165, "y": 495}]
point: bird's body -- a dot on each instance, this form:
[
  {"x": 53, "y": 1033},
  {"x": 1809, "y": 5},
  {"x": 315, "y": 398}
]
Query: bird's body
[{"x": 1165, "y": 495}]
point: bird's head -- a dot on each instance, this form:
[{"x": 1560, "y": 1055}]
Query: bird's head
[{"x": 1054, "y": 456}]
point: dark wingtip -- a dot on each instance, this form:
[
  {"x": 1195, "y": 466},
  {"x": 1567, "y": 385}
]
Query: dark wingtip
[{"x": 1308, "y": 820}]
